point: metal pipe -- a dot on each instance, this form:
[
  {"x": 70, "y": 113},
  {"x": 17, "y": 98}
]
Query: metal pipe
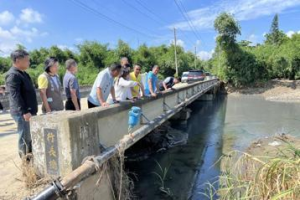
[{"x": 89, "y": 167}]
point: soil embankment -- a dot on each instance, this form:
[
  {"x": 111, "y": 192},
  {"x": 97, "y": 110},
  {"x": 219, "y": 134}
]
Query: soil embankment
[{"x": 274, "y": 90}]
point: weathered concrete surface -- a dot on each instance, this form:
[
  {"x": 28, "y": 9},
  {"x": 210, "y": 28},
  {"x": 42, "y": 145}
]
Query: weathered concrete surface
[
  {"x": 12, "y": 184},
  {"x": 90, "y": 190},
  {"x": 79, "y": 134},
  {"x": 206, "y": 97}
]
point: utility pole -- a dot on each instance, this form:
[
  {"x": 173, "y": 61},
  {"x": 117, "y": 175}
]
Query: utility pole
[
  {"x": 176, "y": 64},
  {"x": 195, "y": 56}
]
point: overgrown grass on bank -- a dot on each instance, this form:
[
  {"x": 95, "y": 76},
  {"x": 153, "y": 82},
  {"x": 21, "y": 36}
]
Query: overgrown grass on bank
[{"x": 248, "y": 177}]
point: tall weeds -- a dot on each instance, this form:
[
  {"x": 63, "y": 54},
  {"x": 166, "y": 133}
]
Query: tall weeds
[{"x": 248, "y": 177}]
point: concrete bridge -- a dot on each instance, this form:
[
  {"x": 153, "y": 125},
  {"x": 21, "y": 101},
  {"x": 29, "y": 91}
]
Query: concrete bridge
[{"x": 63, "y": 140}]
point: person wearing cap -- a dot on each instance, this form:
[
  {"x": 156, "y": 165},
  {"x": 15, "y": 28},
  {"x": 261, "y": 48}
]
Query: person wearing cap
[{"x": 50, "y": 87}]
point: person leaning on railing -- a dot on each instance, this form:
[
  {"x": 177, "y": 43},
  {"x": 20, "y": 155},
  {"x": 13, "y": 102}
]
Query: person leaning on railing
[
  {"x": 103, "y": 86},
  {"x": 168, "y": 83},
  {"x": 138, "y": 90},
  {"x": 152, "y": 82},
  {"x": 122, "y": 86}
]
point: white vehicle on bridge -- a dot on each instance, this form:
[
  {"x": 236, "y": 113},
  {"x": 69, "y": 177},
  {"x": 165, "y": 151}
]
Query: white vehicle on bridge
[{"x": 192, "y": 76}]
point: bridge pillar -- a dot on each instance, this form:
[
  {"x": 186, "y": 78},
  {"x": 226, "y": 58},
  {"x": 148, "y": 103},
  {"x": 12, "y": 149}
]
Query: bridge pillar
[{"x": 182, "y": 116}]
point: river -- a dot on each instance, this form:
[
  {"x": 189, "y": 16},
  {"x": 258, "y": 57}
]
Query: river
[{"x": 227, "y": 123}]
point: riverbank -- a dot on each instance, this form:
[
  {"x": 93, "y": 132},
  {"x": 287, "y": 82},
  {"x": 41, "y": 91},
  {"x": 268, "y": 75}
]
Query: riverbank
[
  {"x": 268, "y": 169},
  {"x": 274, "y": 90}
]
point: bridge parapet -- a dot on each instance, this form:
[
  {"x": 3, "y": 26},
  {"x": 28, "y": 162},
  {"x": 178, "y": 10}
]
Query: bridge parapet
[{"x": 62, "y": 140}]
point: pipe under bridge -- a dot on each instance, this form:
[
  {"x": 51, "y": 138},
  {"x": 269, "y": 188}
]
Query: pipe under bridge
[{"x": 62, "y": 141}]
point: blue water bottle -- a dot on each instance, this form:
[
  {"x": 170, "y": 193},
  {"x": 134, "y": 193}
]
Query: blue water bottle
[{"x": 134, "y": 116}]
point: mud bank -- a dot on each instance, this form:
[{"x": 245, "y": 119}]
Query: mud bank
[{"x": 274, "y": 90}]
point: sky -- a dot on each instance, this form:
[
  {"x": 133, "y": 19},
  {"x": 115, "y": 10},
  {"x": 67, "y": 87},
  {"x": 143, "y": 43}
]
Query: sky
[{"x": 67, "y": 23}]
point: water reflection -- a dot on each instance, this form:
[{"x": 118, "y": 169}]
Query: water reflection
[
  {"x": 203, "y": 148},
  {"x": 222, "y": 125}
]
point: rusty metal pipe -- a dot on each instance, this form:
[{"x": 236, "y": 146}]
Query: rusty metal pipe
[{"x": 89, "y": 167}]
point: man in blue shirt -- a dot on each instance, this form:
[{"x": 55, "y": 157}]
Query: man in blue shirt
[{"x": 152, "y": 82}]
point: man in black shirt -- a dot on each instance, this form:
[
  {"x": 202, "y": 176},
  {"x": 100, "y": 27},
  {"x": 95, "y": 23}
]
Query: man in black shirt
[
  {"x": 168, "y": 83},
  {"x": 22, "y": 98}
]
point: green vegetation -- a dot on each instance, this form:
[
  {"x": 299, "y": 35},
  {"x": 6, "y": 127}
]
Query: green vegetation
[
  {"x": 252, "y": 177},
  {"x": 240, "y": 63},
  {"x": 237, "y": 63},
  {"x": 93, "y": 56},
  {"x": 162, "y": 176}
]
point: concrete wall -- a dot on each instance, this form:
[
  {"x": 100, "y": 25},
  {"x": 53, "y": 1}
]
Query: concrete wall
[
  {"x": 84, "y": 92},
  {"x": 67, "y": 137}
]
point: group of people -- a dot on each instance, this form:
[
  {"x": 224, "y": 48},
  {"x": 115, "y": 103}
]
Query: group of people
[{"x": 114, "y": 84}]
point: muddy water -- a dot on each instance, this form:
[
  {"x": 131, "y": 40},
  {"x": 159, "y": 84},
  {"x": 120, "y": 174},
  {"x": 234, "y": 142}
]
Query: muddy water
[{"x": 215, "y": 127}]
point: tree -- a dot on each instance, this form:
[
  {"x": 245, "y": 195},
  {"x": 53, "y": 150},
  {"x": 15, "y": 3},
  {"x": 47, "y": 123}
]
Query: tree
[
  {"x": 228, "y": 29},
  {"x": 93, "y": 54},
  {"x": 235, "y": 63},
  {"x": 275, "y": 36}
]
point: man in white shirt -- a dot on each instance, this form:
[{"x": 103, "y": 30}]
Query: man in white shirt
[{"x": 103, "y": 86}]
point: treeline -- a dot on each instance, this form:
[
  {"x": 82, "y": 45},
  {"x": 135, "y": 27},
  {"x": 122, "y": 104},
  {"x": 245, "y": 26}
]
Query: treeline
[
  {"x": 93, "y": 56},
  {"x": 241, "y": 63}
]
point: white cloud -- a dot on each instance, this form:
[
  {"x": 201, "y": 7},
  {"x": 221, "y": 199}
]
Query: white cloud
[
  {"x": 11, "y": 37},
  {"x": 30, "y": 16},
  {"x": 65, "y": 47},
  {"x": 253, "y": 39},
  {"x": 178, "y": 42},
  {"x": 19, "y": 31},
  {"x": 78, "y": 40},
  {"x": 198, "y": 42},
  {"x": 205, "y": 55},
  {"x": 203, "y": 18},
  {"x": 28, "y": 35},
  {"x": 5, "y": 34},
  {"x": 7, "y": 47},
  {"x": 6, "y": 17},
  {"x": 291, "y": 33}
]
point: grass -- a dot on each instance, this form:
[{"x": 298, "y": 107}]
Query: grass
[
  {"x": 259, "y": 177},
  {"x": 162, "y": 176}
]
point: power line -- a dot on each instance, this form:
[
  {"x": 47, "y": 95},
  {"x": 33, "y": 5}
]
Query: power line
[
  {"x": 189, "y": 23},
  {"x": 137, "y": 9},
  {"x": 160, "y": 18},
  {"x": 144, "y": 28},
  {"x": 107, "y": 18},
  {"x": 183, "y": 11}
]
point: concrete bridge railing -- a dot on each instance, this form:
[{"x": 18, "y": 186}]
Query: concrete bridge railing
[{"x": 62, "y": 140}]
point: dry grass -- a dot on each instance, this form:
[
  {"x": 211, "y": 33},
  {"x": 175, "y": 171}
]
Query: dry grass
[
  {"x": 31, "y": 179},
  {"x": 259, "y": 177},
  {"x": 120, "y": 183}
]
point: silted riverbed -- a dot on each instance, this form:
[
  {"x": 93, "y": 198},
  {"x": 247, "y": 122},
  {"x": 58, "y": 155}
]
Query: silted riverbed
[{"x": 215, "y": 127}]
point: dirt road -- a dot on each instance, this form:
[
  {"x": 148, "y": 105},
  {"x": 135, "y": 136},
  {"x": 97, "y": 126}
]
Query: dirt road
[{"x": 12, "y": 186}]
